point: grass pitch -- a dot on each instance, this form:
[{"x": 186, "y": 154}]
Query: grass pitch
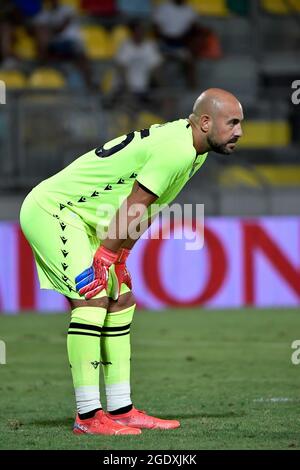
[{"x": 227, "y": 375}]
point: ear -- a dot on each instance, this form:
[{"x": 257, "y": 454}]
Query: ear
[{"x": 204, "y": 123}]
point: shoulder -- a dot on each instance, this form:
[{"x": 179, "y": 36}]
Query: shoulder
[{"x": 172, "y": 141}]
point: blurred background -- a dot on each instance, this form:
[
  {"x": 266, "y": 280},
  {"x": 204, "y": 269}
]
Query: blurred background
[{"x": 79, "y": 72}]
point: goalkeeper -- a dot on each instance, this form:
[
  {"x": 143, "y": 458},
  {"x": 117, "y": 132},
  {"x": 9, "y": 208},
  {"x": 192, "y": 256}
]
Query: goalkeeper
[{"x": 62, "y": 218}]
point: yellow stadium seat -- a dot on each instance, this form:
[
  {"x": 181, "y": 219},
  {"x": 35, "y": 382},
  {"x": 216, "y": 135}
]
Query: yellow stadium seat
[
  {"x": 25, "y": 46},
  {"x": 76, "y": 4},
  {"x": 46, "y": 78},
  {"x": 210, "y": 7},
  {"x": 107, "y": 81},
  {"x": 274, "y": 175},
  {"x": 280, "y": 7},
  {"x": 97, "y": 42},
  {"x": 120, "y": 125},
  {"x": 239, "y": 176},
  {"x": 13, "y": 78},
  {"x": 259, "y": 134},
  {"x": 280, "y": 175},
  {"x": 118, "y": 35},
  {"x": 145, "y": 119}
]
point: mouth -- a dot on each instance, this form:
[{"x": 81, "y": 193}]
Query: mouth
[{"x": 232, "y": 143}]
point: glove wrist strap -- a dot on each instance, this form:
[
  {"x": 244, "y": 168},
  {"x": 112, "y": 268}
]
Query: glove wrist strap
[
  {"x": 109, "y": 257},
  {"x": 123, "y": 254}
]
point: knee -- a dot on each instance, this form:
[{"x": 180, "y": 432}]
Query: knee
[
  {"x": 101, "y": 302},
  {"x": 124, "y": 301}
]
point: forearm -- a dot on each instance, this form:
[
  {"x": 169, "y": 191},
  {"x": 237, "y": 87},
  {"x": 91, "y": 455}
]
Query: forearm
[
  {"x": 141, "y": 229},
  {"x": 119, "y": 233},
  {"x": 127, "y": 225}
]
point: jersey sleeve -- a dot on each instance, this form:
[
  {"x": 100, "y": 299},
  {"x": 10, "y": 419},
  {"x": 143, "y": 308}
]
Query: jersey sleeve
[{"x": 165, "y": 164}]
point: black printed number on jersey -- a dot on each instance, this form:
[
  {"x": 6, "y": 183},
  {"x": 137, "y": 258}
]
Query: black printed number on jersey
[{"x": 104, "y": 153}]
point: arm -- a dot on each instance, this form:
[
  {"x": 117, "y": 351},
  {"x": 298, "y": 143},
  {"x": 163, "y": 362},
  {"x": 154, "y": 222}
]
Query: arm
[
  {"x": 128, "y": 219},
  {"x": 116, "y": 246},
  {"x": 141, "y": 228}
]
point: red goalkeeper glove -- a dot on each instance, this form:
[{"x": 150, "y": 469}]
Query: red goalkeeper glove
[
  {"x": 94, "y": 279},
  {"x": 121, "y": 270}
]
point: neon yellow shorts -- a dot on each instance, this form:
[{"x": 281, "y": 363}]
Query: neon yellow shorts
[{"x": 61, "y": 250}]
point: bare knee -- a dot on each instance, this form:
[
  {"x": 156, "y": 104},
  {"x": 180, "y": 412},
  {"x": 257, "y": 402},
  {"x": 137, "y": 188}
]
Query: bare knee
[
  {"x": 124, "y": 301},
  {"x": 101, "y": 302}
]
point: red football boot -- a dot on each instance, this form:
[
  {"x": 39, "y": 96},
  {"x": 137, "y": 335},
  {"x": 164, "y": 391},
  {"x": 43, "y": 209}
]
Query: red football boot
[
  {"x": 139, "y": 419},
  {"x": 102, "y": 424}
]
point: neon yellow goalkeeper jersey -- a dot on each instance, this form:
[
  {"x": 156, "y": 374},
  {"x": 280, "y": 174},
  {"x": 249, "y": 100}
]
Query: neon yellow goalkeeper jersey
[{"x": 161, "y": 158}]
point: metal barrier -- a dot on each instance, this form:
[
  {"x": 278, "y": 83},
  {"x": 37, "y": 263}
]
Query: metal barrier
[{"x": 42, "y": 132}]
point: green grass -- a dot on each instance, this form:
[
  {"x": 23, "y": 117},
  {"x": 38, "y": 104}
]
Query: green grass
[{"x": 214, "y": 370}]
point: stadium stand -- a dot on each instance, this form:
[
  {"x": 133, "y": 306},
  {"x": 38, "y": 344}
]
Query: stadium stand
[
  {"x": 97, "y": 42},
  {"x": 280, "y": 7},
  {"x": 209, "y": 8},
  {"x": 25, "y": 46},
  {"x": 258, "y": 61},
  {"x": 46, "y": 78},
  {"x": 13, "y": 79}
]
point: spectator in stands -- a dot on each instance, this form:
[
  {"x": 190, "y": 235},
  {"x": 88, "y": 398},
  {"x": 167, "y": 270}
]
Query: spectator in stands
[
  {"x": 134, "y": 8},
  {"x": 176, "y": 24},
  {"x": 15, "y": 13},
  {"x": 138, "y": 61},
  {"x": 105, "y": 8},
  {"x": 58, "y": 37}
]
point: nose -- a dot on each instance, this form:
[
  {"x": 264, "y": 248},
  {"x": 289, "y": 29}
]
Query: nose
[{"x": 238, "y": 130}]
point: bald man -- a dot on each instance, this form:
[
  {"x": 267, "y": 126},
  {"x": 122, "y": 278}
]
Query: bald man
[{"x": 79, "y": 224}]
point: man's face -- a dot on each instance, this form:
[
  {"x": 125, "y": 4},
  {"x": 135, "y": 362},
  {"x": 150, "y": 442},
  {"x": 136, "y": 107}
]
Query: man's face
[{"x": 225, "y": 129}]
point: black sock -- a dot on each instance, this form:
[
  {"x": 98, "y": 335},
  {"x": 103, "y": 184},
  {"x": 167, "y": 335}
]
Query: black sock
[
  {"x": 120, "y": 411},
  {"x": 90, "y": 414}
]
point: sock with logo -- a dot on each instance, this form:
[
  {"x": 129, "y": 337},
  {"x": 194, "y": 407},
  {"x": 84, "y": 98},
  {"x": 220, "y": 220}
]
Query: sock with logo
[
  {"x": 115, "y": 358},
  {"x": 84, "y": 356}
]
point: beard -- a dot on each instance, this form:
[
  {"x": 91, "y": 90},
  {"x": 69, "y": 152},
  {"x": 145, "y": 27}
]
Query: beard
[{"x": 220, "y": 148}]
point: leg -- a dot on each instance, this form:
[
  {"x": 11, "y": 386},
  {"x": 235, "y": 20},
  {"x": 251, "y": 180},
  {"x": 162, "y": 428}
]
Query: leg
[
  {"x": 83, "y": 347},
  {"x": 61, "y": 252},
  {"x": 84, "y": 355},
  {"x": 116, "y": 351},
  {"x": 115, "y": 358}
]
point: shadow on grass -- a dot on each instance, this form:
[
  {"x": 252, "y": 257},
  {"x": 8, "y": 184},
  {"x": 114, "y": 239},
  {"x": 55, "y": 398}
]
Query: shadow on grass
[
  {"x": 66, "y": 422},
  {"x": 229, "y": 414}
]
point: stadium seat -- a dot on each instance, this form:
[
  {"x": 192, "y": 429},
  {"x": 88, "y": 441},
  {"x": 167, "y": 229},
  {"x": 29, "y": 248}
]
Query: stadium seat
[
  {"x": 257, "y": 175},
  {"x": 13, "y": 78},
  {"x": 236, "y": 175},
  {"x": 96, "y": 7},
  {"x": 280, "y": 7},
  {"x": 25, "y": 46},
  {"x": 280, "y": 175},
  {"x": 263, "y": 134},
  {"x": 118, "y": 35},
  {"x": 146, "y": 119},
  {"x": 76, "y": 4},
  {"x": 209, "y": 7},
  {"x": 46, "y": 78},
  {"x": 97, "y": 42},
  {"x": 107, "y": 80}
]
